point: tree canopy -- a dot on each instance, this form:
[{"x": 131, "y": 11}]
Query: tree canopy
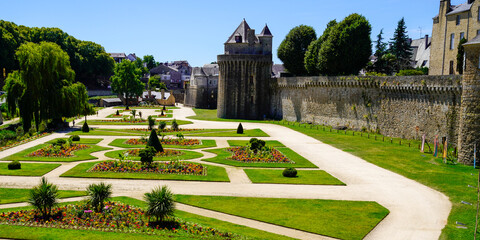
[
  {"x": 400, "y": 46},
  {"x": 311, "y": 56},
  {"x": 126, "y": 81},
  {"x": 150, "y": 61},
  {"x": 88, "y": 59},
  {"x": 154, "y": 82},
  {"x": 293, "y": 48},
  {"x": 43, "y": 88}
]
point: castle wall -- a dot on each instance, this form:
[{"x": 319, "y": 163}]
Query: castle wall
[
  {"x": 394, "y": 106},
  {"x": 201, "y": 97}
]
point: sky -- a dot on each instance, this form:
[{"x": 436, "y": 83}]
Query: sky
[{"x": 196, "y": 30}]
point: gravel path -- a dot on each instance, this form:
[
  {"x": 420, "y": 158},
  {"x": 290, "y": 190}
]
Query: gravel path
[{"x": 416, "y": 211}]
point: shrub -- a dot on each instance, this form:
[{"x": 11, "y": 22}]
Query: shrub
[
  {"x": 161, "y": 114},
  {"x": 14, "y": 165},
  {"x": 75, "y": 138},
  {"x": 289, "y": 172},
  {"x": 162, "y": 125},
  {"x": 42, "y": 127},
  {"x": 160, "y": 203},
  {"x": 151, "y": 122},
  {"x": 146, "y": 155},
  {"x": 164, "y": 108},
  {"x": 19, "y": 131},
  {"x": 98, "y": 194},
  {"x": 174, "y": 125},
  {"x": 117, "y": 113},
  {"x": 256, "y": 144},
  {"x": 59, "y": 142},
  {"x": 43, "y": 197},
  {"x": 240, "y": 129},
  {"x": 85, "y": 127},
  {"x": 154, "y": 142},
  {"x": 409, "y": 72}
]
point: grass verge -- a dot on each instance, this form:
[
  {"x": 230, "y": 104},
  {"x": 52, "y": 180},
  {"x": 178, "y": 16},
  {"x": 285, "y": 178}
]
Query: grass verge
[
  {"x": 28, "y": 169},
  {"x": 79, "y": 155},
  {"x": 307, "y": 177},
  {"x": 214, "y": 174},
  {"x": 191, "y": 133},
  {"x": 15, "y": 195},
  {"x": 118, "y": 122},
  {"x": 339, "y": 219},
  {"x": 269, "y": 143},
  {"x": 120, "y": 142},
  {"x": 186, "y": 155},
  {"x": 211, "y": 115}
]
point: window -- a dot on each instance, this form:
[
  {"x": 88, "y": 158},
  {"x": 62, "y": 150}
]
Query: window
[
  {"x": 478, "y": 32},
  {"x": 452, "y": 41},
  {"x": 424, "y": 63},
  {"x": 451, "y": 68},
  {"x": 458, "y": 20},
  {"x": 238, "y": 39},
  {"x": 462, "y": 35},
  {"x": 478, "y": 13}
]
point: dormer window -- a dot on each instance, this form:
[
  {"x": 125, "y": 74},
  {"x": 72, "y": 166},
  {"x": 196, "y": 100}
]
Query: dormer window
[{"x": 238, "y": 39}]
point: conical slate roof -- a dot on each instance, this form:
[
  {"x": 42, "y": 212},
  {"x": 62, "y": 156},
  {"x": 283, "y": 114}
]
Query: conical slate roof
[
  {"x": 240, "y": 31},
  {"x": 265, "y": 31}
]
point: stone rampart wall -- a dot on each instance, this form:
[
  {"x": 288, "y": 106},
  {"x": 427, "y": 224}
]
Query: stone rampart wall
[{"x": 394, "y": 106}]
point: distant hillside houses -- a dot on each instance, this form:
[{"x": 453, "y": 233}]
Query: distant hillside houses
[
  {"x": 173, "y": 74},
  {"x": 119, "y": 57}
]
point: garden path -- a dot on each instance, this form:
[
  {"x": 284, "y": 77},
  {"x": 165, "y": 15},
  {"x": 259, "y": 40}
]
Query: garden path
[{"x": 416, "y": 211}]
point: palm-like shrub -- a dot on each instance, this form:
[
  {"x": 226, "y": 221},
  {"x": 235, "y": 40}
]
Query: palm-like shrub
[
  {"x": 43, "y": 197},
  {"x": 160, "y": 203},
  {"x": 174, "y": 125},
  {"x": 162, "y": 125},
  {"x": 151, "y": 122},
  {"x": 98, "y": 194}
]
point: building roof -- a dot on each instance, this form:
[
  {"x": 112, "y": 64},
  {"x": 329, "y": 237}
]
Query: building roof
[
  {"x": 241, "y": 30},
  {"x": 474, "y": 41},
  {"x": 161, "y": 69},
  {"x": 210, "y": 69},
  {"x": 454, "y": 9},
  {"x": 277, "y": 69},
  {"x": 112, "y": 100},
  {"x": 118, "y": 55},
  {"x": 265, "y": 31},
  {"x": 132, "y": 57}
]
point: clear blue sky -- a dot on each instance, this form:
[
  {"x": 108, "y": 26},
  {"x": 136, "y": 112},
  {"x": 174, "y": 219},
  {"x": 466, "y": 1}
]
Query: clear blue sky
[{"x": 195, "y": 30}]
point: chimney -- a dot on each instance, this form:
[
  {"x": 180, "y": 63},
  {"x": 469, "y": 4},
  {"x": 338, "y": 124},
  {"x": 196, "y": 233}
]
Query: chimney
[{"x": 426, "y": 41}]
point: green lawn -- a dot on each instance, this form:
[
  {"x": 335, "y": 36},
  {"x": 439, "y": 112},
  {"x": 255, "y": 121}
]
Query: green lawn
[
  {"x": 14, "y": 195},
  {"x": 21, "y": 232},
  {"x": 79, "y": 155},
  {"x": 270, "y": 143},
  {"x": 300, "y": 162},
  {"x": 120, "y": 142},
  {"x": 168, "y": 115},
  {"x": 452, "y": 180},
  {"x": 232, "y": 133},
  {"x": 28, "y": 169},
  {"x": 100, "y": 122},
  {"x": 82, "y": 140},
  {"x": 309, "y": 177},
  {"x": 211, "y": 115},
  {"x": 214, "y": 174},
  {"x": 192, "y": 133},
  {"x": 186, "y": 155},
  {"x": 145, "y": 107},
  {"x": 338, "y": 219}
]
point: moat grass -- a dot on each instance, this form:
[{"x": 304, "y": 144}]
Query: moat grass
[
  {"x": 214, "y": 174},
  {"x": 333, "y": 218},
  {"x": 452, "y": 180},
  {"x": 305, "y": 177},
  {"x": 100, "y": 122},
  {"x": 28, "y": 169},
  {"x": 211, "y": 115},
  {"x": 223, "y": 154},
  {"x": 22, "y": 232},
  {"x": 79, "y": 155},
  {"x": 185, "y": 155},
  {"x": 268, "y": 143},
  {"x": 232, "y": 133},
  {"x": 194, "y": 133},
  {"x": 120, "y": 142},
  {"x": 15, "y": 195}
]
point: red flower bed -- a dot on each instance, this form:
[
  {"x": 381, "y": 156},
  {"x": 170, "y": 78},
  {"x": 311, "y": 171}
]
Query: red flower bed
[
  {"x": 167, "y": 130},
  {"x": 167, "y": 141},
  {"x": 174, "y": 167},
  {"x": 137, "y": 120},
  {"x": 165, "y": 153},
  {"x": 270, "y": 155},
  {"x": 57, "y": 151},
  {"x": 16, "y": 143},
  {"x": 116, "y": 217}
]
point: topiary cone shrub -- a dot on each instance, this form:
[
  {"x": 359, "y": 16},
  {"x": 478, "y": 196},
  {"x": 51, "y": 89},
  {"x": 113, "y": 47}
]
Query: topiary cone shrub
[
  {"x": 75, "y": 138},
  {"x": 154, "y": 142},
  {"x": 85, "y": 127},
  {"x": 290, "y": 172},
  {"x": 240, "y": 129},
  {"x": 14, "y": 165}
]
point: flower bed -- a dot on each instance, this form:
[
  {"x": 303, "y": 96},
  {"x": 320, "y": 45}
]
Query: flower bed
[
  {"x": 168, "y": 130},
  {"x": 116, "y": 217},
  {"x": 57, "y": 151},
  {"x": 165, "y": 153},
  {"x": 167, "y": 141},
  {"x": 173, "y": 167},
  {"x": 16, "y": 143},
  {"x": 137, "y": 120},
  {"x": 268, "y": 155}
]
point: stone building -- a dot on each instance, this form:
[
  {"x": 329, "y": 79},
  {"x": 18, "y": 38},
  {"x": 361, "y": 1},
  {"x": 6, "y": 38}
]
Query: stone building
[
  {"x": 453, "y": 23},
  {"x": 245, "y": 73},
  {"x": 203, "y": 87}
]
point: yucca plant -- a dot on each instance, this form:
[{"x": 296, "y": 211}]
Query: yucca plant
[
  {"x": 44, "y": 197},
  {"x": 98, "y": 194},
  {"x": 151, "y": 122},
  {"x": 160, "y": 203}
]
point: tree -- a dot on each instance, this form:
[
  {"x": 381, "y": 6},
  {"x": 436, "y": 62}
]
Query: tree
[
  {"x": 150, "y": 61},
  {"x": 44, "y": 197},
  {"x": 151, "y": 122},
  {"x": 348, "y": 47},
  {"x": 311, "y": 56},
  {"x": 139, "y": 64},
  {"x": 380, "y": 65},
  {"x": 126, "y": 81},
  {"x": 154, "y": 142},
  {"x": 460, "y": 55},
  {"x": 154, "y": 82},
  {"x": 43, "y": 89},
  {"x": 160, "y": 203},
  {"x": 400, "y": 46},
  {"x": 292, "y": 49},
  {"x": 98, "y": 194}
]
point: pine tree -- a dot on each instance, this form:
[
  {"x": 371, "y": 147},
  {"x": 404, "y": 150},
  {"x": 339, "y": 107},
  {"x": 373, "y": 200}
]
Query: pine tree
[
  {"x": 380, "y": 50},
  {"x": 400, "y": 46}
]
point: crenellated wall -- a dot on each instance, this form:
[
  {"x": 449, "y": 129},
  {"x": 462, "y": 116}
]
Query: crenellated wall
[{"x": 394, "y": 106}]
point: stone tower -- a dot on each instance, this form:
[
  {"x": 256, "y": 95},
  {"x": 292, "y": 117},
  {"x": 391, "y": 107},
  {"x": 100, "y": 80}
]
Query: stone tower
[
  {"x": 469, "y": 133},
  {"x": 245, "y": 72}
]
